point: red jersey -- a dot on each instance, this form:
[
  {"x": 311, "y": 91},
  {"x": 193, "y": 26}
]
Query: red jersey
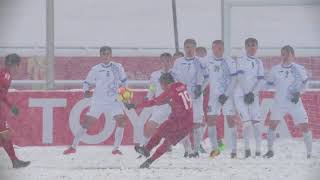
[
  {"x": 177, "y": 97},
  {"x": 5, "y": 82}
]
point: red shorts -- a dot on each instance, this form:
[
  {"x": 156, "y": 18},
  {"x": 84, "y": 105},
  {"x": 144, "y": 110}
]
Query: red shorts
[{"x": 175, "y": 129}]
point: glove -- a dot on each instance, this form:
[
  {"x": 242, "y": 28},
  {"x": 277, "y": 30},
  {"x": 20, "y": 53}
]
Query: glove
[
  {"x": 129, "y": 105},
  {"x": 222, "y": 99},
  {"x": 197, "y": 91},
  {"x": 295, "y": 97},
  {"x": 249, "y": 98},
  {"x": 87, "y": 94},
  {"x": 15, "y": 110}
]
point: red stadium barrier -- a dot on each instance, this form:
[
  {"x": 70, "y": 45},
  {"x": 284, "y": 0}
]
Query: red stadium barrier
[{"x": 48, "y": 117}]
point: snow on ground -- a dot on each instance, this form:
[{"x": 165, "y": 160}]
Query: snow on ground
[{"x": 97, "y": 163}]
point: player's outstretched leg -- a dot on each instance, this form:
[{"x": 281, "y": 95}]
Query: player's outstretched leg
[
  {"x": 163, "y": 148},
  {"x": 6, "y": 142},
  {"x": 307, "y": 137}
]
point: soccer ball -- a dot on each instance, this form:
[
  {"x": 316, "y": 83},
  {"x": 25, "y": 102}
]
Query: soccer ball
[{"x": 125, "y": 94}]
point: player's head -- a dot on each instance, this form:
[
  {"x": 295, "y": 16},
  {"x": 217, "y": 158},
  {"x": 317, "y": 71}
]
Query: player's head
[
  {"x": 165, "y": 80},
  {"x": 251, "y": 45},
  {"x": 166, "y": 61},
  {"x": 218, "y": 48},
  {"x": 106, "y": 53},
  {"x": 287, "y": 53},
  {"x": 177, "y": 55},
  {"x": 201, "y": 51},
  {"x": 12, "y": 62},
  {"x": 190, "y": 47}
]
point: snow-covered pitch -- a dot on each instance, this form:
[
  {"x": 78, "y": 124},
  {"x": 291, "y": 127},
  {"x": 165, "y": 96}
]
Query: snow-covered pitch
[{"x": 97, "y": 163}]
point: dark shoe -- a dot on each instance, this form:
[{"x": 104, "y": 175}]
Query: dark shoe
[
  {"x": 194, "y": 155},
  {"x": 186, "y": 154},
  {"x": 142, "y": 150},
  {"x": 247, "y": 153},
  {"x": 269, "y": 154},
  {"x": 146, "y": 164},
  {"x": 20, "y": 164},
  {"x": 202, "y": 150},
  {"x": 233, "y": 155},
  {"x": 258, "y": 154}
]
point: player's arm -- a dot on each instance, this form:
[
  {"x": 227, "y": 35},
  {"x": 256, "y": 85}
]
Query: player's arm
[
  {"x": 241, "y": 77},
  {"x": 202, "y": 78},
  {"x": 123, "y": 77},
  {"x": 163, "y": 98},
  {"x": 89, "y": 82},
  {"x": 299, "y": 84},
  {"x": 233, "y": 75}
]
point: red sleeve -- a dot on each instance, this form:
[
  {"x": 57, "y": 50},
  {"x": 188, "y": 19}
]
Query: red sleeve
[
  {"x": 3, "y": 90},
  {"x": 161, "y": 99}
]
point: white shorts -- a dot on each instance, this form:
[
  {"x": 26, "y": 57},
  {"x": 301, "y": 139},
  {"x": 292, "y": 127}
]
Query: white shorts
[
  {"x": 160, "y": 113},
  {"x": 214, "y": 108},
  {"x": 297, "y": 111},
  {"x": 248, "y": 112},
  {"x": 96, "y": 110},
  {"x": 197, "y": 107}
]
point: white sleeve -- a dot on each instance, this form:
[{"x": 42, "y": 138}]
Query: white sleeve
[
  {"x": 260, "y": 78},
  {"x": 300, "y": 79},
  {"x": 122, "y": 76},
  {"x": 233, "y": 74},
  {"x": 204, "y": 73},
  {"x": 241, "y": 77},
  {"x": 90, "y": 80}
]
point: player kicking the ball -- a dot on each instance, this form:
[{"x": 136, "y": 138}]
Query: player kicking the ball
[
  {"x": 222, "y": 79},
  {"x": 191, "y": 71},
  {"x": 107, "y": 77},
  {"x": 12, "y": 62},
  {"x": 179, "y": 123},
  {"x": 250, "y": 79},
  {"x": 159, "y": 113},
  {"x": 289, "y": 79}
]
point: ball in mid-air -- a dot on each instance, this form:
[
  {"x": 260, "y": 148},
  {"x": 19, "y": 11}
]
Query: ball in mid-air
[{"x": 125, "y": 94}]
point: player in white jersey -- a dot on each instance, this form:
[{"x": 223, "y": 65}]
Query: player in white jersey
[
  {"x": 289, "y": 79},
  {"x": 158, "y": 113},
  {"x": 177, "y": 55},
  {"x": 201, "y": 52},
  {"x": 222, "y": 81},
  {"x": 107, "y": 77},
  {"x": 250, "y": 79},
  {"x": 192, "y": 72}
]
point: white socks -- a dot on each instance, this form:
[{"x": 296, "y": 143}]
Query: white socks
[
  {"x": 118, "y": 136},
  {"x": 246, "y": 135},
  {"x": 78, "y": 137},
  {"x": 186, "y": 144},
  {"x": 270, "y": 139},
  {"x": 307, "y": 137},
  {"x": 257, "y": 137},
  {"x": 197, "y": 139},
  {"x": 233, "y": 137},
  {"x": 212, "y": 133}
]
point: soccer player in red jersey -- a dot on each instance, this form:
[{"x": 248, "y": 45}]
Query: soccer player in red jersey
[
  {"x": 12, "y": 62},
  {"x": 179, "y": 123}
]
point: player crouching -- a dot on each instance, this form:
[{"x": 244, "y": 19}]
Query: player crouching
[
  {"x": 12, "y": 62},
  {"x": 179, "y": 123}
]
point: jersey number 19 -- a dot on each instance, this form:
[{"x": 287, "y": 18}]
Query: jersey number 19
[{"x": 186, "y": 99}]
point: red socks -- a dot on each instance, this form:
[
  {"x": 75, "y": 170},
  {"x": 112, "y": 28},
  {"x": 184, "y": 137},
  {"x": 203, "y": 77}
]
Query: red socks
[{"x": 8, "y": 146}]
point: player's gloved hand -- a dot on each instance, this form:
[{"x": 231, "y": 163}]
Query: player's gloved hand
[
  {"x": 249, "y": 98},
  {"x": 15, "y": 110},
  {"x": 129, "y": 105},
  {"x": 222, "y": 99},
  {"x": 295, "y": 97},
  {"x": 87, "y": 94},
  {"x": 197, "y": 91}
]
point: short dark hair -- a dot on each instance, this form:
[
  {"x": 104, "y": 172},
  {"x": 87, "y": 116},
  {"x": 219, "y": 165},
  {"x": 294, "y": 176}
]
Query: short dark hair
[
  {"x": 12, "y": 59},
  {"x": 178, "y": 53},
  {"x": 167, "y": 78},
  {"x": 251, "y": 40},
  {"x": 288, "y": 49},
  {"x": 103, "y": 49},
  {"x": 200, "y": 48},
  {"x": 218, "y": 42},
  {"x": 165, "y": 55},
  {"x": 190, "y": 41}
]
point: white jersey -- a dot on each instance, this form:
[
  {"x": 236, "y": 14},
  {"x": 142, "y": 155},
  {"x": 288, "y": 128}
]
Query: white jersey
[
  {"x": 154, "y": 83},
  {"x": 191, "y": 72},
  {"x": 252, "y": 70},
  {"x": 221, "y": 71},
  {"x": 106, "y": 78},
  {"x": 287, "y": 80}
]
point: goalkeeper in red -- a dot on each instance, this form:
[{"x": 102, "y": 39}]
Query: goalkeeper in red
[
  {"x": 179, "y": 123},
  {"x": 12, "y": 62}
]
